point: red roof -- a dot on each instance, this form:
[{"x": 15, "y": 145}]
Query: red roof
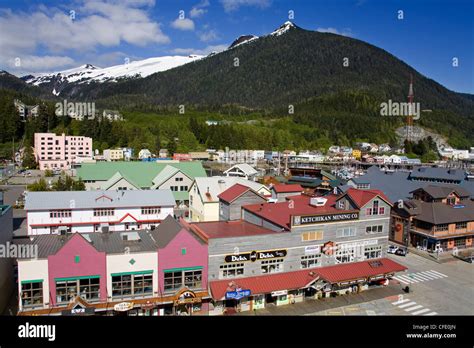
[
  {"x": 302, "y": 279},
  {"x": 361, "y": 197},
  {"x": 356, "y": 270},
  {"x": 227, "y": 229},
  {"x": 234, "y": 192},
  {"x": 282, "y": 188},
  {"x": 280, "y": 213},
  {"x": 264, "y": 284}
]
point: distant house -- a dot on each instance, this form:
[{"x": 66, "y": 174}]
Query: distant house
[
  {"x": 26, "y": 111},
  {"x": 282, "y": 191},
  {"x": 112, "y": 115},
  {"x": 163, "y": 153},
  {"x": 242, "y": 170},
  {"x": 212, "y": 123},
  {"x": 200, "y": 156},
  {"x": 374, "y": 148},
  {"x": 113, "y": 155},
  {"x": 232, "y": 200},
  {"x": 384, "y": 148},
  {"x": 144, "y": 153}
]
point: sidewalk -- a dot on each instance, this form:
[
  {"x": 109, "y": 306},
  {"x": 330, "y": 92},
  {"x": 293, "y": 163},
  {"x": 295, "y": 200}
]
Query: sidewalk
[
  {"x": 311, "y": 306},
  {"x": 442, "y": 258}
]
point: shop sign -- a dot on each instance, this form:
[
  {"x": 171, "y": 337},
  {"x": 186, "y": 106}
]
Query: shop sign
[
  {"x": 317, "y": 219},
  {"x": 361, "y": 243},
  {"x": 312, "y": 249},
  {"x": 237, "y": 295},
  {"x": 256, "y": 255},
  {"x": 123, "y": 306},
  {"x": 187, "y": 297},
  {"x": 279, "y": 293},
  {"x": 79, "y": 311}
]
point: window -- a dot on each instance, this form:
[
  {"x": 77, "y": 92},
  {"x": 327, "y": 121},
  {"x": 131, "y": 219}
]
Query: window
[
  {"x": 340, "y": 204},
  {"x": 128, "y": 285},
  {"x": 32, "y": 293},
  {"x": 60, "y": 213},
  {"x": 461, "y": 225},
  {"x": 374, "y": 229},
  {"x": 451, "y": 200},
  {"x": 174, "y": 188},
  {"x": 441, "y": 227},
  {"x": 231, "y": 270},
  {"x": 88, "y": 289},
  {"x": 272, "y": 266},
  {"x": 178, "y": 179},
  {"x": 104, "y": 212},
  {"x": 183, "y": 188},
  {"x": 313, "y": 235},
  {"x": 346, "y": 232},
  {"x": 150, "y": 210},
  {"x": 309, "y": 261},
  {"x": 382, "y": 211},
  {"x": 345, "y": 254},
  {"x": 174, "y": 280},
  {"x": 460, "y": 242},
  {"x": 373, "y": 252},
  {"x": 369, "y": 211},
  {"x": 363, "y": 186},
  {"x": 183, "y": 251},
  {"x": 375, "y": 208}
]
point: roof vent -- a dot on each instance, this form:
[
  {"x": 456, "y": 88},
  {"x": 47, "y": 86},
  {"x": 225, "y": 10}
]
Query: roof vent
[{"x": 318, "y": 201}]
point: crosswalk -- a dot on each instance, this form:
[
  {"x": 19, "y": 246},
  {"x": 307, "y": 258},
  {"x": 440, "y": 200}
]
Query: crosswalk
[
  {"x": 413, "y": 308},
  {"x": 418, "y": 277}
]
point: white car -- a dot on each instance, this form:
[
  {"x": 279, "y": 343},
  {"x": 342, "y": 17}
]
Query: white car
[{"x": 392, "y": 249}]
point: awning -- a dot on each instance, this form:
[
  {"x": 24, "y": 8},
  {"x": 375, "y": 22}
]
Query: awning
[
  {"x": 359, "y": 270},
  {"x": 264, "y": 284}
]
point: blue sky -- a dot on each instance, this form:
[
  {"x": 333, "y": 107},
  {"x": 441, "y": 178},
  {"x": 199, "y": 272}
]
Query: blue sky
[{"x": 104, "y": 33}]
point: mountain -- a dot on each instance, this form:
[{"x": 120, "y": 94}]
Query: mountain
[
  {"x": 285, "y": 67},
  {"x": 242, "y": 39},
  {"x": 88, "y": 73}
]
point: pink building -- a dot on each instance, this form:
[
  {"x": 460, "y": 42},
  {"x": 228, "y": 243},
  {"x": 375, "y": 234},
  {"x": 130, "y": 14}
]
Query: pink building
[{"x": 60, "y": 151}]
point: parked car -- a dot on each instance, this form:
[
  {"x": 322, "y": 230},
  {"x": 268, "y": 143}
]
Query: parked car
[
  {"x": 392, "y": 249},
  {"x": 401, "y": 252}
]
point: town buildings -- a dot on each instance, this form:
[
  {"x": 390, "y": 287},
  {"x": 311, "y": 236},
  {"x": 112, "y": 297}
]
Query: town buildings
[
  {"x": 112, "y": 115},
  {"x": 172, "y": 175},
  {"x": 204, "y": 195},
  {"x": 64, "y": 212},
  {"x": 438, "y": 218},
  {"x": 114, "y": 154},
  {"x": 157, "y": 272},
  {"x": 304, "y": 247},
  {"x": 242, "y": 170},
  {"x": 144, "y": 154},
  {"x": 26, "y": 111},
  {"x": 60, "y": 151}
]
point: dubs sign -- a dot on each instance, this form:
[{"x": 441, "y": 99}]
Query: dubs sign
[
  {"x": 317, "y": 219},
  {"x": 256, "y": 255}
]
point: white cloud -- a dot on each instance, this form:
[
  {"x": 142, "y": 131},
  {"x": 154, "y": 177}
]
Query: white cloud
[
  {"x": 183, "y": 24},
  {"x": 210, "y": 35},
  {"x": 96, "y": 24},
  {"x": 199, "y": 9},
  {"x": 29, "y": 63},
  {"x": 204, "y": 51},
  {"x": 233, "y": 5},
  {"x": 343, "y": 32}
]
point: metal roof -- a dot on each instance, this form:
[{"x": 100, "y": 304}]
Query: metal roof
[
  {"x": 97, "y": 199},
  {"x": 210, "y": 187}
]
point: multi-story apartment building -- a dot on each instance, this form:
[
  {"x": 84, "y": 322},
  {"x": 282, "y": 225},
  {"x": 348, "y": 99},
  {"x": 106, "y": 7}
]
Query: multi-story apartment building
[
  {"x": 60, "y": 151},
  {"x": 114, "y": 154},
  {"x": 94, "y": 211}
]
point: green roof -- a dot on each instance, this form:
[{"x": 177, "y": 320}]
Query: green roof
[{"x": 140, "y": 174}]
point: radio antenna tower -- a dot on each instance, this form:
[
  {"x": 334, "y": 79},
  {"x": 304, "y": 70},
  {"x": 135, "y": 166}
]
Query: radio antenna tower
[{"x": 409, "y": 125}]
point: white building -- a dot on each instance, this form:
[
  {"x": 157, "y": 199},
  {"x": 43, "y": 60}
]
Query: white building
[
  {"x": 242, "y": 170},
  {"x": 204, "y": 192},
  {"x": 113, "y": 154},
  {"x": 94, "y": 211},
  {"x": 144, "y": 153}
]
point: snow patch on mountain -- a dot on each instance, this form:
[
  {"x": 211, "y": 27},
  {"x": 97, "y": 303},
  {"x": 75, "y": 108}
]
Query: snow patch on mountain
[
  {"x": 88, "y": 73},
  {"x": 283, "y": 28}
]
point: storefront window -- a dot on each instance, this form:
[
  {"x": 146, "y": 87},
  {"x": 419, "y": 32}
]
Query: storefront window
[
  {"x": 231, "y": 270},
  {"x": 345, "y": 255},
  {"x": 308, "y": 261},
  {"x": 176, "y": 280},
  {"x": 272, "y": 266},
  {"x": 127, "y": 285},
  {"x": 87, "y": 288},
  {"x": 32, "y": 294},
  {"x": 373, "y": 252}
]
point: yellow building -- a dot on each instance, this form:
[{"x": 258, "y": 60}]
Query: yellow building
[
  {"x": 357, "y": 154},
  {"x": 113, "y": 155}
]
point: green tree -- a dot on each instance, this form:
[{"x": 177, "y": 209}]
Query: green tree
[
  {"x": 29, "y": 160},
  {"x": 39, "y": 185}
]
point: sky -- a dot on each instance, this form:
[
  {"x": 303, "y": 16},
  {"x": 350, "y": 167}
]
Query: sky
[{"x": 436, "y": 37}]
